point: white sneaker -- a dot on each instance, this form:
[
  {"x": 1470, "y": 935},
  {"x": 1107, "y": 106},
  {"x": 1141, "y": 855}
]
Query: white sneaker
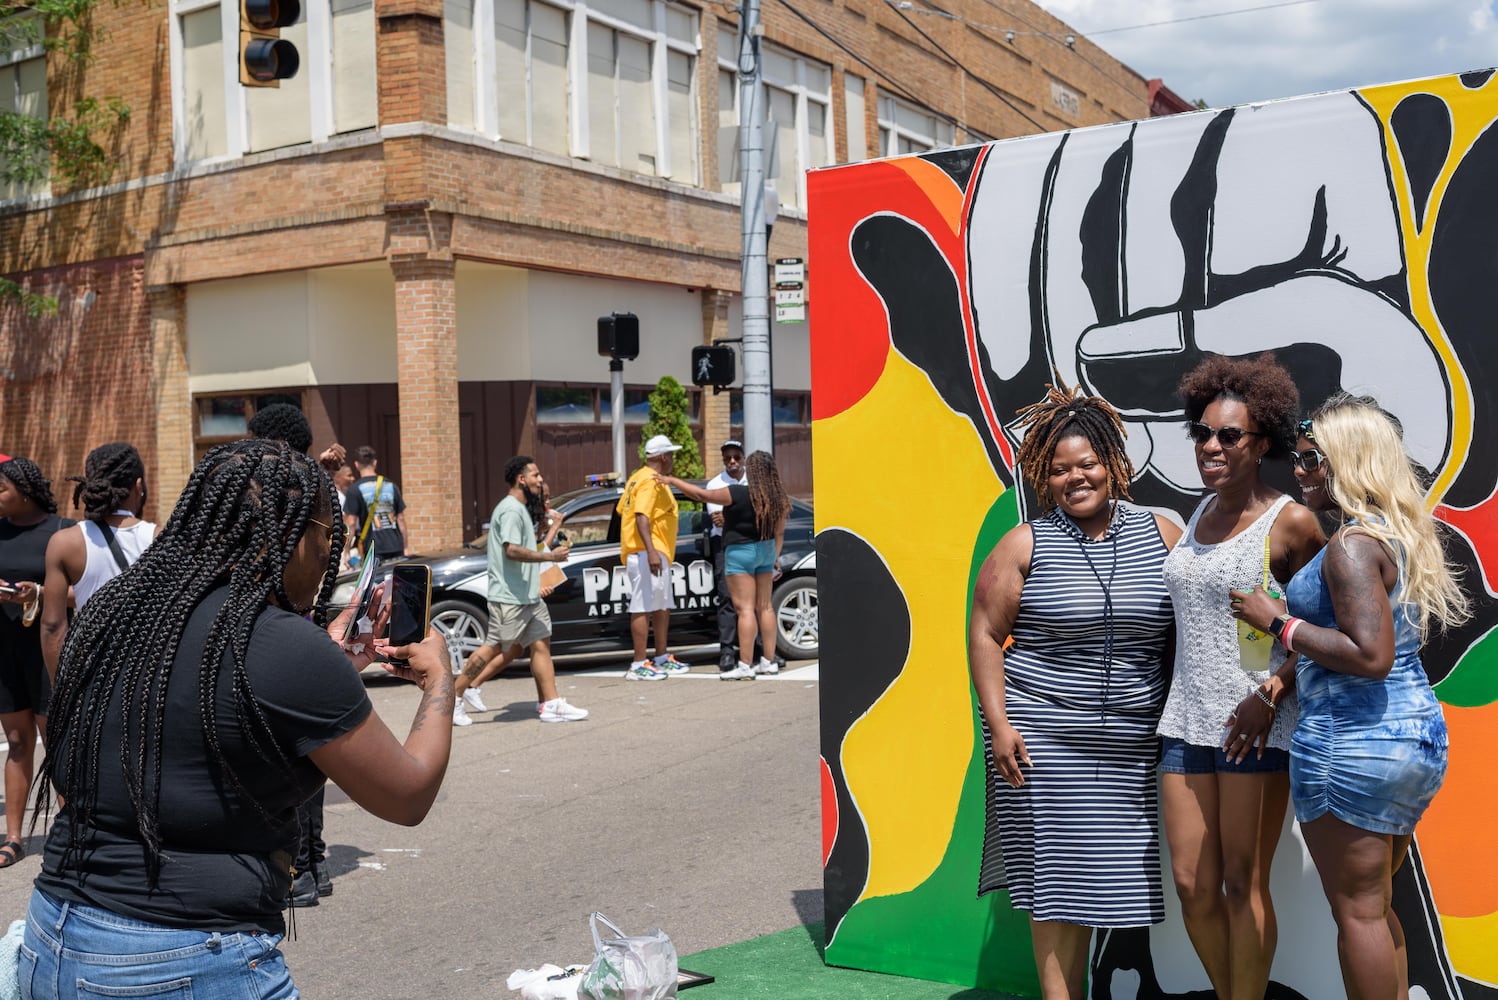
[
  {"x": 557, "y": 710},
  {"x": 765, "y": 666},
  {"x": 742, "y": 672},
  {"x": 460, "y": 716},
  {"x": 472, "y": 700}
]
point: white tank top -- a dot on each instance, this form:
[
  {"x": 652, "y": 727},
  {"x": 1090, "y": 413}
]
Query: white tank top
[
  {"x": 100, "y": 566},
  {"x": 1208, "y": 683}
]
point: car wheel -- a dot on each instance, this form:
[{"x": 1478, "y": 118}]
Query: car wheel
[
  {"x": 795, "y": 604},
  {"x": 463, "y": 624}
]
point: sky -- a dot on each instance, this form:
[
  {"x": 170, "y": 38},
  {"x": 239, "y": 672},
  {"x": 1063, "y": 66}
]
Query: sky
[{"x": 1282, "y": 51}]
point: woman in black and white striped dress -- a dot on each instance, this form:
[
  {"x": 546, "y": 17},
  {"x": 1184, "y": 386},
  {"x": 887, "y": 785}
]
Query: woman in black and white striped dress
[{"x": 1071, "y": 707}]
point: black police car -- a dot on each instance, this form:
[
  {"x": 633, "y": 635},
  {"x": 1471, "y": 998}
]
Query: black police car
[{"x": 590, "y": 611}]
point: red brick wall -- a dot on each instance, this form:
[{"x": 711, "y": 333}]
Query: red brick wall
[{"x": 71, "y": 382}]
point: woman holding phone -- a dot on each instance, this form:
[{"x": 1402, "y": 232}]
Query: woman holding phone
[{"x": 170, "y": 861}]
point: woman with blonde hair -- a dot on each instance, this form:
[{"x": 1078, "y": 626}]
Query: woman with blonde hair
[{"x": 1369, "y": 750}]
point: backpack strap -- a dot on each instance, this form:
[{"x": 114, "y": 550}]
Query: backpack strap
[
  {"x": 369, "y": 512},
  {"x": 114, "y": 544}
]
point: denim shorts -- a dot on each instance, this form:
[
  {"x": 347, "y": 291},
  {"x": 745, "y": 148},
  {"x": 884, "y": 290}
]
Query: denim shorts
[
  {"x": 749, "y": 557},
  {"x": 1180, "y": 757},
  {"x": 76, "y": 952}
]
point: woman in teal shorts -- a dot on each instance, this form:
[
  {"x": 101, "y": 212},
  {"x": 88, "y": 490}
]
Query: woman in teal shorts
[
  {"x": 753, "y": 530},
  {"x": 1369, "y": 750}
]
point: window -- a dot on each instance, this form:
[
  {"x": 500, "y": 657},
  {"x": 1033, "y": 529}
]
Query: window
[
  {"x": 787, "y": 409},
  {"x": 858, "y": 142},
  {"x": 227, "y": 417},
  {"x": 798, "y": 106},
  {"x": 564, "y": 406},
  {"x": 906, "y": 128},
  {"x": 23, "y": 91},
  {"x": 610, "y": 81},
  {"x": 333, "y": 92}
]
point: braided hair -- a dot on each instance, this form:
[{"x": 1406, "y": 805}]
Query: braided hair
[
  {"x": 109, "y": 474},
  {"x": 1069, "y": 412},
  {"x": 236, "y": 525},
  {"x": 766, "y": 494},
  {"x": 30, "y": 482}
]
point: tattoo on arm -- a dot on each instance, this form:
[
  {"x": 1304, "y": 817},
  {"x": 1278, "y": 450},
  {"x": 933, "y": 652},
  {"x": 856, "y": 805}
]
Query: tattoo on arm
[{"x": 436, "y": 704}]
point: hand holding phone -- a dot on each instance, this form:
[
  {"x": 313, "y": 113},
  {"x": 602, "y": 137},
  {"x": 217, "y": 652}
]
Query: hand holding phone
[
  {"x": 363, "y": 591},
  {"x": 410, "y": 603}
]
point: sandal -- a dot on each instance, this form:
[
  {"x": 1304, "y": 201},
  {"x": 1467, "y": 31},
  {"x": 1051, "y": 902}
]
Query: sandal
[{"x": 11, "y": 851}]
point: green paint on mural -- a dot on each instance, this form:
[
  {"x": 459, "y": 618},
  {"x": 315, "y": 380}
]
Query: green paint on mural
[
  {"x": 941, "y": 930},
  {"x": 1473, "y": 682}
]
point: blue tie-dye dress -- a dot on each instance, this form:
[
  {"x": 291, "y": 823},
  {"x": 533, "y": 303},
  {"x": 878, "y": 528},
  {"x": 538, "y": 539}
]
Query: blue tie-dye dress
[{"x": 1370, "y": 752}]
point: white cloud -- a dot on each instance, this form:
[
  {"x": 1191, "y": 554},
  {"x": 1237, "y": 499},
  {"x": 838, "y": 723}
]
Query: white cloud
[{"x": 1284, "y": 51}]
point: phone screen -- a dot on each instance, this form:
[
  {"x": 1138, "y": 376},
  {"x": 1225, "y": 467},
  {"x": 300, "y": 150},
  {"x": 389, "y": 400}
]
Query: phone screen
[
  {"x": 411, "y": 603},
  {"x": 363, "y": 591}
]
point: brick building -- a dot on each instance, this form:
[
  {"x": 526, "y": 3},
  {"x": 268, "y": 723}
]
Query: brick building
[{"x": 414, "y": 238}]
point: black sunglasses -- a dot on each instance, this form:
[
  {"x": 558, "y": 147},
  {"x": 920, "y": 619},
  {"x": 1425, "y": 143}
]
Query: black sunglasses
[
  {"x": 1307, "y": 461},
  {"x": 1228, "y": 437}
]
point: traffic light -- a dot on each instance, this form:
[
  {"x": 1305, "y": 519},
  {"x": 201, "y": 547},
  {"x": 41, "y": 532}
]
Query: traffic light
[
  {"x": 265, "y": 58},
  {"x": 715, "y": 366},
  {"x": 619, "y": 336}
]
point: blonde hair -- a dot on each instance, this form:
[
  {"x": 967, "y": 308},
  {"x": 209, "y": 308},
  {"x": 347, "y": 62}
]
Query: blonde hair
[{"x": 1372, "y": 480}]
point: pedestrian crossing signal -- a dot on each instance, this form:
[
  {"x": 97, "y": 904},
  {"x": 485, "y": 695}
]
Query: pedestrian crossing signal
[
  {"x": 265, "y": 58},
  {"x": 715, "y": 366}
]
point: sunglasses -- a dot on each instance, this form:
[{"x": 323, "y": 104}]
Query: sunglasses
[
  {"x": 1307, "y": 461},
  {"x": 1228, "y": 437}
]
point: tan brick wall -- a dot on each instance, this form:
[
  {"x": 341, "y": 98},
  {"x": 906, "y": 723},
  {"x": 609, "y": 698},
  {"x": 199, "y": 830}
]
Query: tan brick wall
[
  {"x": 715, "y": 408},
  {"x": 426, "y": 318}
]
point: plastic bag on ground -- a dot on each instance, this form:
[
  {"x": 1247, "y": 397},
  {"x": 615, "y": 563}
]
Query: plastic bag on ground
[
  {"x": 629, "y": 968},
  {"x": 550, "y": 982}
]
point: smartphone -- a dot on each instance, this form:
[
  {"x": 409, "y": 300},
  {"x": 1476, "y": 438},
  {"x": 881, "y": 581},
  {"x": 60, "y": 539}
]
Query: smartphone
[
  {"x": 363, "y": 591},
  {"x": 6, "y": 588},
  {"x": 410, "y": 603}
]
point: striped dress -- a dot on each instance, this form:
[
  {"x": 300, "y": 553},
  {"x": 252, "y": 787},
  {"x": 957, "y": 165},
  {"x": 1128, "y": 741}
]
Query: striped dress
[{"x": 1084, "y": 681}]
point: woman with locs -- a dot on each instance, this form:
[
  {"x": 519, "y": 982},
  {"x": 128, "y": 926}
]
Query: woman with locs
[
  {"x": 1369, "y": 750},
  {"x": 1224, "y": 802},
  {"x": 196, "y": 707},
  {"x": 754, "y": 517},
  {"x": 1070, "y": 708}
]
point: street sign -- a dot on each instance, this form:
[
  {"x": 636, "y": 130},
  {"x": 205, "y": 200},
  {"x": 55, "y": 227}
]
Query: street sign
[
  {"x": 789, "y": 270},
  {"x": 790, "y": 313}
]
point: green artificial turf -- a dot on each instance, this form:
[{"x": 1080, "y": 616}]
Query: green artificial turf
[{"x": 788, "y": 966}]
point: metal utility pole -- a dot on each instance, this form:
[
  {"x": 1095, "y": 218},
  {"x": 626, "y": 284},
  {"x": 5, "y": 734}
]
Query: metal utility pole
[
  {"x": 616, "y": 412},
  {"x": 758, "y": 430}
]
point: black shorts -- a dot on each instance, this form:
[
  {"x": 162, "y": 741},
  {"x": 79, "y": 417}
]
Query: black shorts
[{"x": 23, "y": 672}]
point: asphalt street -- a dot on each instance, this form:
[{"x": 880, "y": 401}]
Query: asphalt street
[{"x": 689, "y": 804}]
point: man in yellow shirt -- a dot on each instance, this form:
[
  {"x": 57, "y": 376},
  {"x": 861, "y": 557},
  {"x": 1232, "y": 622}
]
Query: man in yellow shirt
[{"x": 647, "y": 545}]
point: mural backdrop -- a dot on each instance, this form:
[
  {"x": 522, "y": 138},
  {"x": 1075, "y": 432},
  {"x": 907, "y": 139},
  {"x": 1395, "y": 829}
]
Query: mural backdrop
[{"x": 1353, "y": 233}]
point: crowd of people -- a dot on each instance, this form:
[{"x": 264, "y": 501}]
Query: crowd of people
[{"x": 1250, "y": 659}]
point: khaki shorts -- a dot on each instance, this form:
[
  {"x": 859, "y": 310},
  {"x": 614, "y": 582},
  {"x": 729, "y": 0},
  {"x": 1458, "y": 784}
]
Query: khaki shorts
[{"x": 517, "y": 624}]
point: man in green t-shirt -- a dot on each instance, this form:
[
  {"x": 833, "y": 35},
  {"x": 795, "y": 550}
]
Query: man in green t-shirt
[{"x": 517, "y": 615}]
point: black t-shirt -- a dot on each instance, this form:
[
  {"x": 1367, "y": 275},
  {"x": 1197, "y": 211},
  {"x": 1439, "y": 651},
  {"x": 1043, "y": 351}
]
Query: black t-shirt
[
  {"x": 23, "y": 553},
  {"x": 224, "y": 865},
  {"x": 384, "y": 537},
  {"x": 738, "y": 519}
]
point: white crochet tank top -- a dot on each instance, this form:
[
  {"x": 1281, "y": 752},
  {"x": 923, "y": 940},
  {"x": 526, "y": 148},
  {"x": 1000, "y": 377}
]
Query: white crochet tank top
[{"x": 1208, "y": 682}]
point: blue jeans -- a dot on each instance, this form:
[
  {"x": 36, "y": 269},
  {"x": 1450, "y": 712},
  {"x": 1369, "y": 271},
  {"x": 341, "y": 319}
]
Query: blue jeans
[{"x": 73, "y": 951}]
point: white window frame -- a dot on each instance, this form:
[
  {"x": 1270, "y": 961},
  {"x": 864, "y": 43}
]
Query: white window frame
[
  {"x": 317, "y": 63},
  {"x": 9, "y": 58},
  {"x": 891, "y": 131},
  {"x": 486, "y": 92},
  {"x": 801, "y": 92}
]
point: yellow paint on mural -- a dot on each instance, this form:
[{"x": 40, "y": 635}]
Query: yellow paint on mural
[
  {"x": 1469, "y": 942},
  {"x": 1471, "y": 114},
  {"x": 909, "y": 476}
]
